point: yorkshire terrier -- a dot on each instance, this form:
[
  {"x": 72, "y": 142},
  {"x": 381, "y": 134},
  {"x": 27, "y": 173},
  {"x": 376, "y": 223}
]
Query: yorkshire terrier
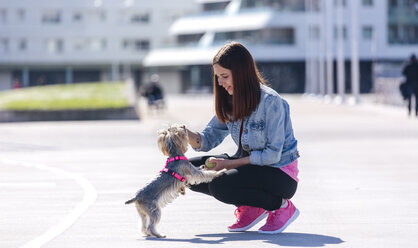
[{"x": 172, "y": 180}]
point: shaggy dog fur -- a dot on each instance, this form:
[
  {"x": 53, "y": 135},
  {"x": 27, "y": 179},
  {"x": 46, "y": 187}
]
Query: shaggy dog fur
[{"x": 165, "y": 188}]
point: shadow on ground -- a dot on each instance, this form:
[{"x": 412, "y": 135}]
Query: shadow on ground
[{"x": 284, "y": 239}]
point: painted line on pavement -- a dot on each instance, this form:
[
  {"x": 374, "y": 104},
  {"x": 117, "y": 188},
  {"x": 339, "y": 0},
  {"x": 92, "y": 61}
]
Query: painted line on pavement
[{"x": 90, "y": 195}]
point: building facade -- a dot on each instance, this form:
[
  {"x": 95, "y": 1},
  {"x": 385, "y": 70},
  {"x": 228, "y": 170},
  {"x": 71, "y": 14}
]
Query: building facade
[
  {"x": 49, "y": 42},
  {"x": 291, "y": 40},
  {"x": 296, "y": 43}
]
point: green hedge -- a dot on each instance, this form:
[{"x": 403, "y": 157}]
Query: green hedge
[{"x": 64, "y": 97}]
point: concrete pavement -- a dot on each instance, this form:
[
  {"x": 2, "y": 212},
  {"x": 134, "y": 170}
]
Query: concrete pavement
[{"x": 63, "y": 184}]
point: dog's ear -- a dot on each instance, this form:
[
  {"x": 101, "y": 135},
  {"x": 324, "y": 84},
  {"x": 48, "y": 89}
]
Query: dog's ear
[
  {"x": 182, "y": 137},
  {"x": 162, "y": 132},
  {"x": 162, "y": 141}
]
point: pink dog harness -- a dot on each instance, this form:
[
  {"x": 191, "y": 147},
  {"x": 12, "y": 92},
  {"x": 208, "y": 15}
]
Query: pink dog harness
[{"x": 171, "y": 172}]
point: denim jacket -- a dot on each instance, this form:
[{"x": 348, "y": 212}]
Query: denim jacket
[{"x": 267, "y": 133}]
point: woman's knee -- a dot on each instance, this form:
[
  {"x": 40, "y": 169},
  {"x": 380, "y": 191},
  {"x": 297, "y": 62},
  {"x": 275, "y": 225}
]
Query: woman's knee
[{"x": 220, "y": 189}]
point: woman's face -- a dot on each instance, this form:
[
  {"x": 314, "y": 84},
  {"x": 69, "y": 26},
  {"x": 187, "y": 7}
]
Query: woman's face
[{"x": 224, "y": 78}]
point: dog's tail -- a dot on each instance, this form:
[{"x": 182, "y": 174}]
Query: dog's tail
[{"x": 131, "y": 201}]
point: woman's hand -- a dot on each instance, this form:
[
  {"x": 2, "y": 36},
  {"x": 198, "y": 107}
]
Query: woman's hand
[
  {"x": 220, "y": 164},
  {"x": 194, "y": 139}
]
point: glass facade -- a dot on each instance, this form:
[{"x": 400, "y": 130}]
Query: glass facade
[
  {"x": 51, "y": 16},
  {"x": 281, "y": 5},
  {"x": 402, "y": 22},
  {"x": 283, "y": 36}
]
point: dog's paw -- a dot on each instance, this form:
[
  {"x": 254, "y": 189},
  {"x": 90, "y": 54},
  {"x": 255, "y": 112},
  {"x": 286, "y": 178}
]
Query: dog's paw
[{"x": 221, "y": 172}]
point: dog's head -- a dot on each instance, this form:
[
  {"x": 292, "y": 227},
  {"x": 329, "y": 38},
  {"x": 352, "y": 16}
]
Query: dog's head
[{"x": 173, "y": 140}]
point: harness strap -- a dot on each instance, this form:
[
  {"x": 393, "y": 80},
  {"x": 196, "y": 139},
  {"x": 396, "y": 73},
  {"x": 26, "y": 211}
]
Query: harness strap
[
  {"x": 174, "y": 159},
  {"x": 174, "y": 174},
  {"x": 171, "y": 172}
]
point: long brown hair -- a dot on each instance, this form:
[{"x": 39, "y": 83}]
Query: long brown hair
[{"x": 246, "y": 83}]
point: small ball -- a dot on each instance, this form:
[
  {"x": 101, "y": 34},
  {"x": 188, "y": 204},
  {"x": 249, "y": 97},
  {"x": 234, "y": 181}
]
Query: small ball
[{"x": 210, "y": 164}]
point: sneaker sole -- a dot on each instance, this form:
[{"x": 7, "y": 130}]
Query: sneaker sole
[
  {"x": 245, "y": 228},
  {"x": 293, "y": 218}
]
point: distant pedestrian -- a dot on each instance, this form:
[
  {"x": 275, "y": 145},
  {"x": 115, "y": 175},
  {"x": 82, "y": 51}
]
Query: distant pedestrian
[
  {"x": 262, "y": 175},
  {"x": 17, "y": 84},
  {"x": 410, "y": 72},
  {"x": 154, "y": 93}
]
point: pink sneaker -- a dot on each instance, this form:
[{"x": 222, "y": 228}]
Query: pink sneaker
[
  {"x": 279, "y": 219},
  {"x": 247, "y": 217}
]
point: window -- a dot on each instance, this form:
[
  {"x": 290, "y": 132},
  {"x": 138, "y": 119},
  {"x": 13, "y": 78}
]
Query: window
[
  {"x": 185, "y": 39},
  {"x": 251, "y": 36},
  {"x": 248, "y": 4},
  {"x": 340, "y": 2},
  {"x": 215, "y": 6},
  {"x": 97, "y": 45},
  {"x": 140, "y": 18},
  {"x": 51, "y": 16},
  {"x": 403, "y": 34},
  {"x": 21, "y": 15},
  {"x": 22, "y": 45},
  {"x": 78, "y": 17},
  {"x": 4, "y": 45},
  {"x": 142, "y": 45},
  {"x": 314, "y": 33},
  {"x": 393, "y": 4},
  {"x": 80, "y": 44},
  {"x": 367, "y": 3},
  {"x": 408, "y": 4},
  {"x": 279, "y": 36},
  {"x": 284, "y": 36},
  {"x": 137, "y": 45},
  {"x": 3, "y": 16},
  {"x": 89, "y": 16},
  {"x": 282, "y": 5},
  {"x": 367, "y": 32},
  {"x": 135, "y": 16},
  {"x": 55, "y": 46},
  {"x": 344, "y": 33},
  {"x": 87, "y": 44}
]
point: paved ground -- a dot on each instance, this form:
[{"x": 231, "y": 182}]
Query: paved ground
[{"x": 63, "y": 184}]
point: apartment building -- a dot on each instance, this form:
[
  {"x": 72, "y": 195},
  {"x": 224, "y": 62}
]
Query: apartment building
[
  {"x": 49, "y": 42},
  {"x": 290, "y": 39},
  {"x": 45, "y": 42}
]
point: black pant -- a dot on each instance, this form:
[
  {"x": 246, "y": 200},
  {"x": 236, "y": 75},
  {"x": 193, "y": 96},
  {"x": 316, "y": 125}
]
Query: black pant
[
  {"x": 248, "y": 185},
  {"x": 415, "y": 93}
]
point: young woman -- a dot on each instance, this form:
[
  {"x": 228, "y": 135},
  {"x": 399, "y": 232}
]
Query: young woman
[{"x": 262, "y": 176}]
